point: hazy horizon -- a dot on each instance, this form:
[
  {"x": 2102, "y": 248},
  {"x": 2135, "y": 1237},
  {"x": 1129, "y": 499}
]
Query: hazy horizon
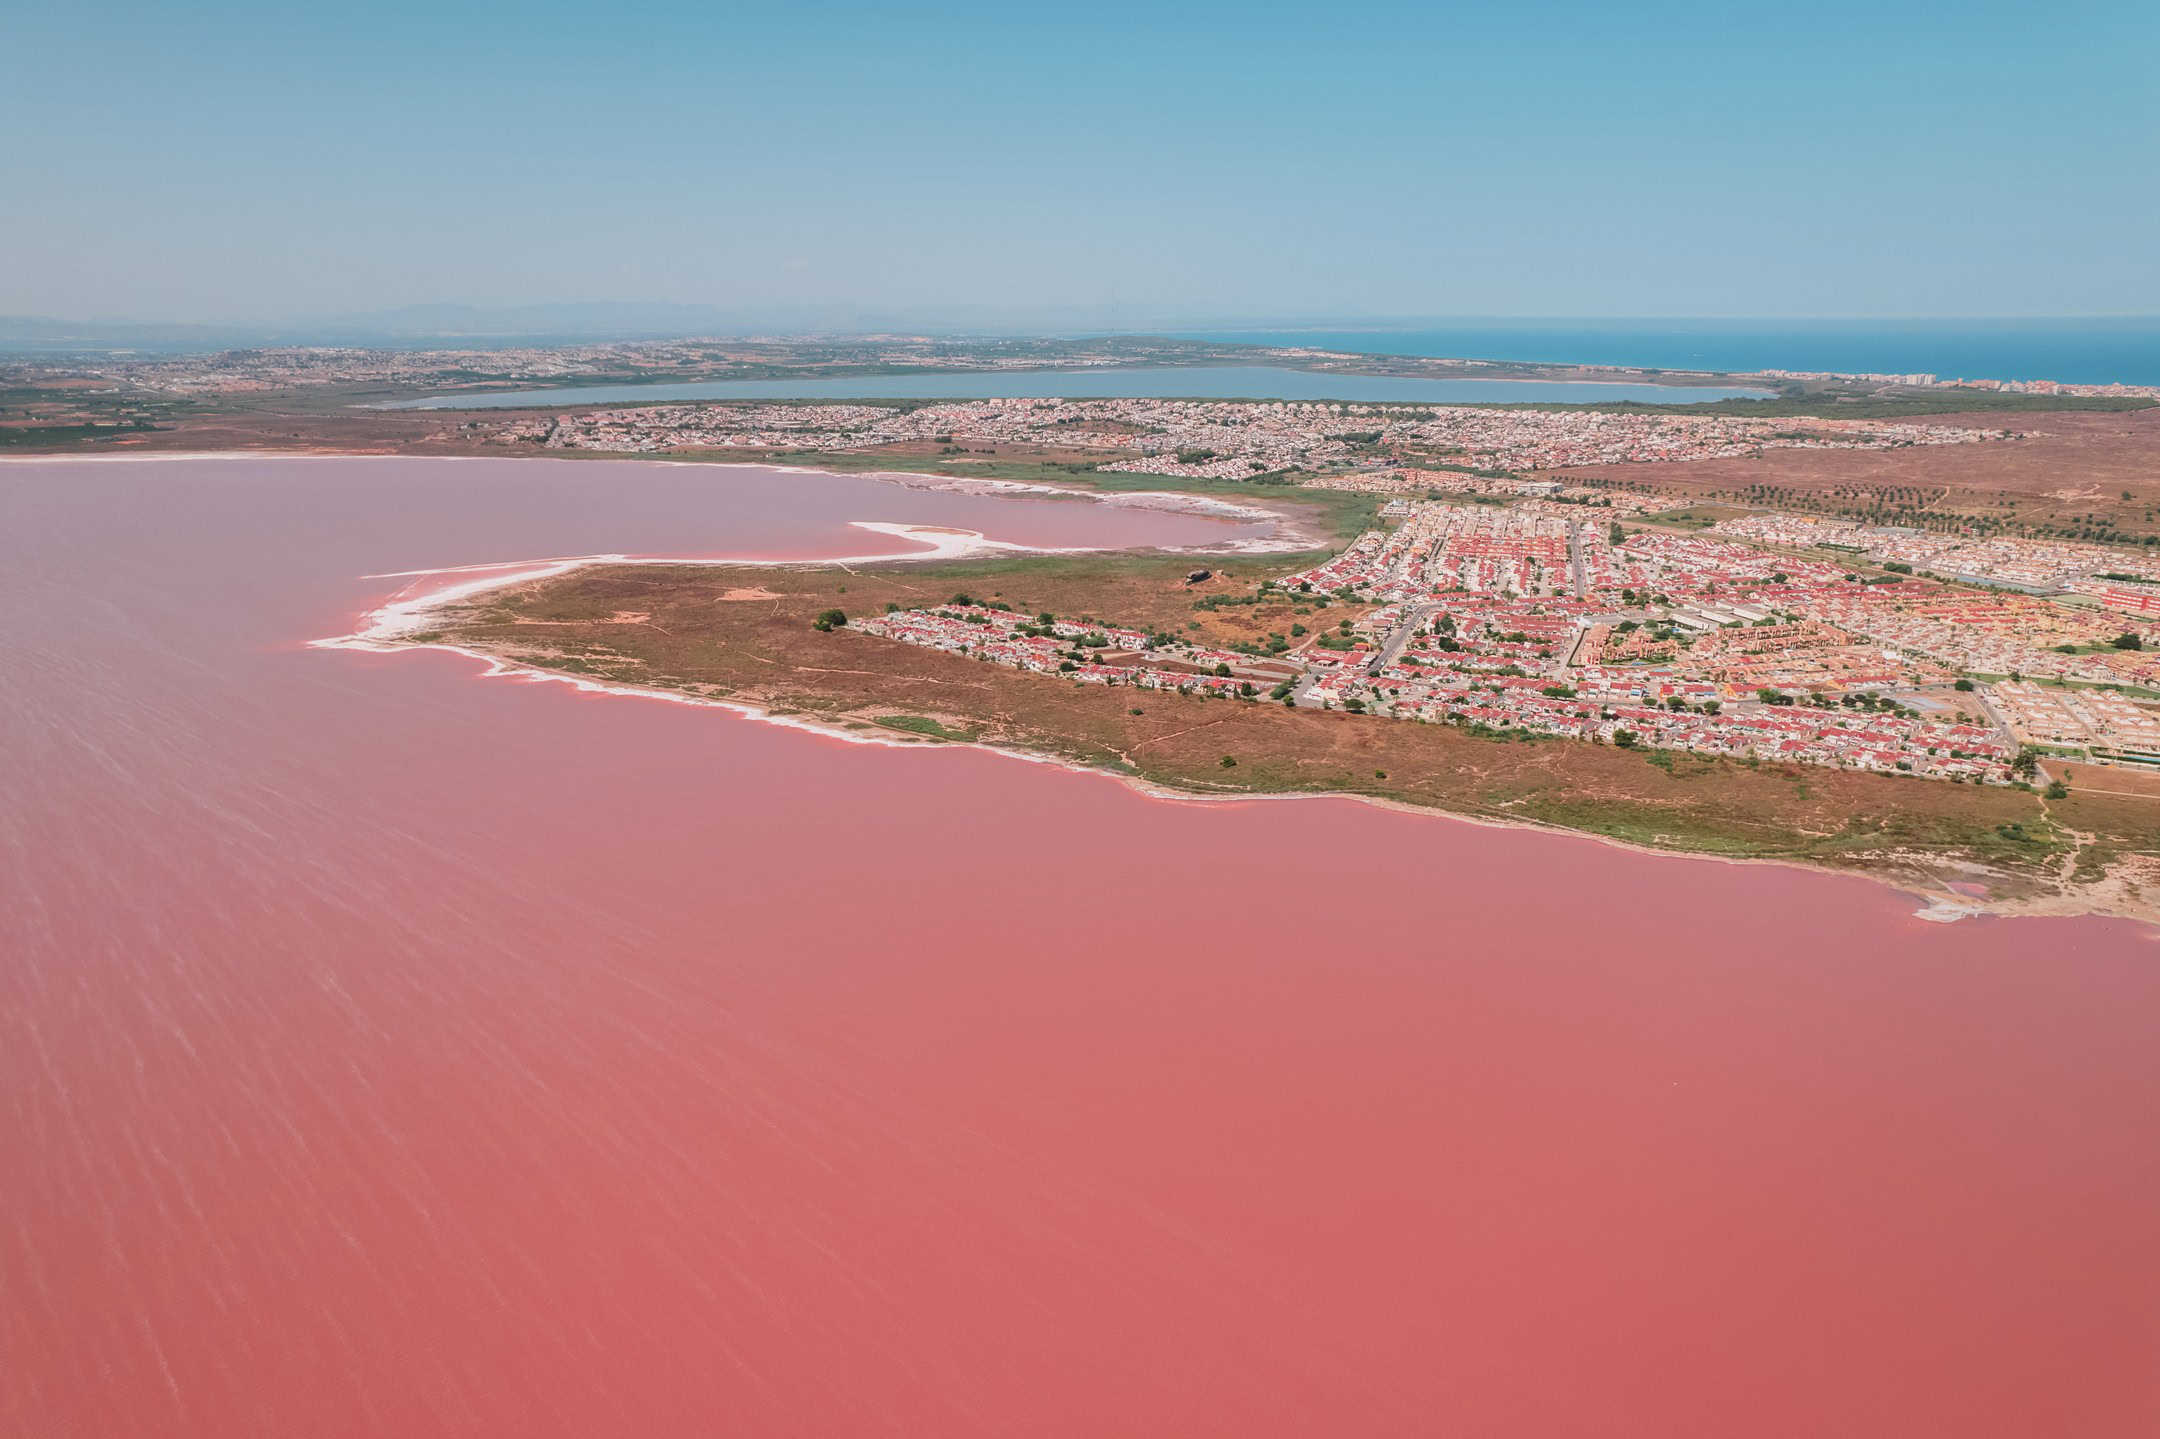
[{"x": 630, "y": 320}]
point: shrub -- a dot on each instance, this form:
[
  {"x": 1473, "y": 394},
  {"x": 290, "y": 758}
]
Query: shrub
[{"x": 828, "y": 620}]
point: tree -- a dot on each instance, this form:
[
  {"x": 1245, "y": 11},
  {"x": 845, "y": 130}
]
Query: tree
[
  {"x": 2027, "y": 763},
  {"x": 2057, "y": 790},
  {"x": 1222, "y": 671},
  {"x": 1227, "y": 762},
  {"x": 828, "y": 621},
  {"x": 1964, "y": 686},
  {"x": 2129, "y": 640},
  {"x": 1625, "y": 738}
]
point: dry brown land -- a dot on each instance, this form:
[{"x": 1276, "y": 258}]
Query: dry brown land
[
  {"x": 332, "y": 431},
  {"x": 1916, "y": 832},
  {"x": 2109, "y": 779},
  {"x": 2069, "y": 466}
]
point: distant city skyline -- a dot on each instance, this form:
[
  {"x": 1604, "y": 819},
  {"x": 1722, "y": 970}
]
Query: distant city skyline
[{"x": 1198, "y": 164}]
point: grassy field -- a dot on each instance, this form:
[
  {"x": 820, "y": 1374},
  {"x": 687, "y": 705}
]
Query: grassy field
[{"x": 765, "y": 652}]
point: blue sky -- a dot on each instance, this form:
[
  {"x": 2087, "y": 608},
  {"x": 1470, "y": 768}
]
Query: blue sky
[{"x": 1140, "y": 163}]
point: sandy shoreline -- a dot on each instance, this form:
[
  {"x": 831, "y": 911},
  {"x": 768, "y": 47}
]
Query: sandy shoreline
[{"x": 389, "y": 624}]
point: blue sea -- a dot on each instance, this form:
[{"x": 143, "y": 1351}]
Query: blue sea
[{"x": 2085, "y": 352}]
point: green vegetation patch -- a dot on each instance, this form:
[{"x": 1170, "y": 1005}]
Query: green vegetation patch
[{"x": 928, "y": 727}]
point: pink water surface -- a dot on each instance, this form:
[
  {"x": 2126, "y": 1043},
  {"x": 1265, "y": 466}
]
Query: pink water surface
[{"x": 388, "y": 1051}]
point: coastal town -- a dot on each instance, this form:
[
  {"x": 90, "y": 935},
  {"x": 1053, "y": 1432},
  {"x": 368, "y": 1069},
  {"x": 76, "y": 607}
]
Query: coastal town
[
  {"x": 1531, "y": 618},
  {"x": 292, "y": 368},
  {"x": 454, "y": 353},
  {"x": 1226, "y": 440}
]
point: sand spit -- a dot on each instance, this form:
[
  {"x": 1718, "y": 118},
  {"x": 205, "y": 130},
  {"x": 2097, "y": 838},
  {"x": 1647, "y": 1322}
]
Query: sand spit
[
  {"x": 411, "y": 613},
  {"x": 1289, "y": 532},
  {"x": 1287, "y": 538},
  {"x": 392, "y": 626}
]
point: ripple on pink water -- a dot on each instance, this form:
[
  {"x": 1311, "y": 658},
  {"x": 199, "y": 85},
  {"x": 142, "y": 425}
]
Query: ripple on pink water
[{"x": 387, "y": 1052}]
